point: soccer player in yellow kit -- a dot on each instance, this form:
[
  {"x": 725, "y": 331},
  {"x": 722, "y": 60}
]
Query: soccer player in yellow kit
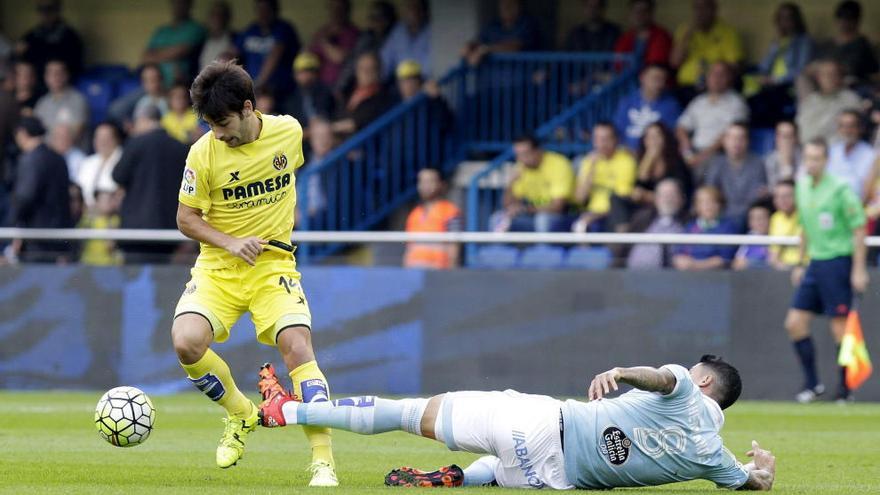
[{"x": 237, "y": 199}]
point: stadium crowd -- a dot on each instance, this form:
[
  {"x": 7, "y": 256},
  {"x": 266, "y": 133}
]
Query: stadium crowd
[
  {"x": 337, "y": 83},
  {"x": 676, "y": 157}
]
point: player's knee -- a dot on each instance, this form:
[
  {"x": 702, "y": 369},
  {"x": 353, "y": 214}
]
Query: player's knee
[
  {"x": 190, "y": 339},
  {"x": 796, "y": 325},
  {"x": 295, "y": 345}
]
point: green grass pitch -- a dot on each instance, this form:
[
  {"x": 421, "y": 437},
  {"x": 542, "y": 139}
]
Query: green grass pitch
[{"x": 48, "y": 444}]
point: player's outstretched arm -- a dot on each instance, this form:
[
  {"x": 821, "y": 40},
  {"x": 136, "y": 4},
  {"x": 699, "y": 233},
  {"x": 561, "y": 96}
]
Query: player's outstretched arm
[
  {"x": 762, "y": 470},
  {"x": 192, "y": 225},
  {"x": 641, "y": 377}
]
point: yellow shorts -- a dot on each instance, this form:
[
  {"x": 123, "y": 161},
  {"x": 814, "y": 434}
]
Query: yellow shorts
[{"x": 271, "y": 291}]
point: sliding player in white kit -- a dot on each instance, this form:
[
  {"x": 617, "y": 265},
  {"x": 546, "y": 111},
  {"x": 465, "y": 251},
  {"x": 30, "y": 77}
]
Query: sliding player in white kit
[{"x": 667, "y": 430}]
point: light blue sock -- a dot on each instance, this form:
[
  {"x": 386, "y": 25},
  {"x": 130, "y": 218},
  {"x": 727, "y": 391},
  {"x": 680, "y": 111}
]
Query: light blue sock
[
  {"x": 481, "y": 472},
  {"x": 365, "y": 415}
]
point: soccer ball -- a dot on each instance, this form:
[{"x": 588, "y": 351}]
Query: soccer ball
[{"x": 125, "y": 416}]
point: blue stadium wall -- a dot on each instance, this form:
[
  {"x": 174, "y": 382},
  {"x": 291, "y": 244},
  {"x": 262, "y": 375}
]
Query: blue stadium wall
[{"x": 395, "y": 331}]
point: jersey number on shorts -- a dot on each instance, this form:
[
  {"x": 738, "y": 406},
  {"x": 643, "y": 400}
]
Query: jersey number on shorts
[{"x": 287, "y": 283}]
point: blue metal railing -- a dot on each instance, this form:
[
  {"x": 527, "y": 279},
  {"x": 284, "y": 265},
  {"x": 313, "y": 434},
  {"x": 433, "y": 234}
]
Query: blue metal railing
[
  {"x": 510, "y": 94},
  {"x": 373, "y": 173},
  {"x": 484, "y": 108},
  {"x": 566, "y": 133}
]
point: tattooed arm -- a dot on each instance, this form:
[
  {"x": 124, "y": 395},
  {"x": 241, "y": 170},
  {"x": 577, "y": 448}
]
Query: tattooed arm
[{"x": 641, "y": 377}]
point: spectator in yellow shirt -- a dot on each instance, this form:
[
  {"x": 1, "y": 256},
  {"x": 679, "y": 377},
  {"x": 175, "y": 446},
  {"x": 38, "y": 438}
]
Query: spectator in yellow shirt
[
  {"x": 784, "y": 222},
  {"x": 180, "y": 122},
  {"x": 703, "y": 41},
  {"x": 104, "y": 215},
  {"x": 537, "y": 197},
  {"x": 606, "y": 175}
]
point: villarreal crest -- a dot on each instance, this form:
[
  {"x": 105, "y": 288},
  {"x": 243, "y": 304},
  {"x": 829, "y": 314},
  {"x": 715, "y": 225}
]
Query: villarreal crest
[{"x": 280, "y": 161}]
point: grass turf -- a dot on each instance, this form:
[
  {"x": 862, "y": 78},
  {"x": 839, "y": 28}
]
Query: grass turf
[{"x": 48, "y": 444}]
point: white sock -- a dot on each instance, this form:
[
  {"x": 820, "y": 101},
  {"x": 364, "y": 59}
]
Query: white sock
[
  {"x": 413, "y": 410},
  {"x": 365, "y": 415},
  {"x": 481, "y": 472}
]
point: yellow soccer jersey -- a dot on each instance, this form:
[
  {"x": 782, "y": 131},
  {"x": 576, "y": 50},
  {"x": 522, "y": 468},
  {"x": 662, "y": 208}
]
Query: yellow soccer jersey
[{"x": 245, "y": 191}]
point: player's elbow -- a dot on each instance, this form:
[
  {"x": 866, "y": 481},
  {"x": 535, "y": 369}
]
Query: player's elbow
[
  {"x": 184, "y": 222},
  {"x": 181, "y": 222}
]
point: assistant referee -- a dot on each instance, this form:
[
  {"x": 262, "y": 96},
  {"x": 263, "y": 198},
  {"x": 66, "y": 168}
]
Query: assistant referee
[{"x": 833, "y": 222}]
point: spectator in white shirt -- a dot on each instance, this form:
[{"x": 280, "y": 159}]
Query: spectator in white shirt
[
  {"x": 96, "y": 171},
  {"x": 63, "y": 104},
  {"x": 850, "y": 157},
  {"x": 817, "y": 109},
  {"x": 702, "y": 125}
]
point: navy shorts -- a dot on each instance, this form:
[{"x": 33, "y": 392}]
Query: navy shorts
[{"x": 825, "y": 288}]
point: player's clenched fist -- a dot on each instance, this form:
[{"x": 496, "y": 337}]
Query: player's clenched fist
[
  {"x": 603, "y": 384},
  {"x": 246, "y": 248}
]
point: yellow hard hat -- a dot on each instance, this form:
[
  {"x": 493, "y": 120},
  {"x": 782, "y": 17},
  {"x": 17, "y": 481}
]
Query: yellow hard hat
[
  {"x": 306, "y": 61},
  {"x": 409, "y": 68}
]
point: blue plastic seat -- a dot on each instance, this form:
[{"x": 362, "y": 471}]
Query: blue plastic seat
[
  {"x": 126, "y": 85},
  {"x": 109, "y": 72},
  {"x": 98, "y": 93},
  {"x": 496, "y": 257},
  {"x": 761, "y": 140},
  {"x": 542, "y": 257},
  {"x": 589, "y": 258}
]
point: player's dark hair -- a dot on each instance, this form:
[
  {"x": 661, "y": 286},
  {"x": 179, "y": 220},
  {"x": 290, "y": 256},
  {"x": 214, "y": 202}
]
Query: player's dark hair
[
  {"x": 221, "y": 89},
  {"x": 785, "y": 182},
  {"x": 527, "y": 138},
  {"x": 728, "y": 385}
]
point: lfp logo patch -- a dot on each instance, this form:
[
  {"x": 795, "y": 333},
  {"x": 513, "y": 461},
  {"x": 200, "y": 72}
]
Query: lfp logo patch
[
  {"x": 188, "y": 186},
  {"x": 280, "y": 161}
]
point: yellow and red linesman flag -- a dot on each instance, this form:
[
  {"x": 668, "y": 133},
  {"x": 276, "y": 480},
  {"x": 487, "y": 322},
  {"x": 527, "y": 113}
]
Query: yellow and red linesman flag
[{"x": 854, "y": 353}]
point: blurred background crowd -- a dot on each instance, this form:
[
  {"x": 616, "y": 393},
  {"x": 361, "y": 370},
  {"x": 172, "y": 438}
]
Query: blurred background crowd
[{"x": 708, "y": 142}]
